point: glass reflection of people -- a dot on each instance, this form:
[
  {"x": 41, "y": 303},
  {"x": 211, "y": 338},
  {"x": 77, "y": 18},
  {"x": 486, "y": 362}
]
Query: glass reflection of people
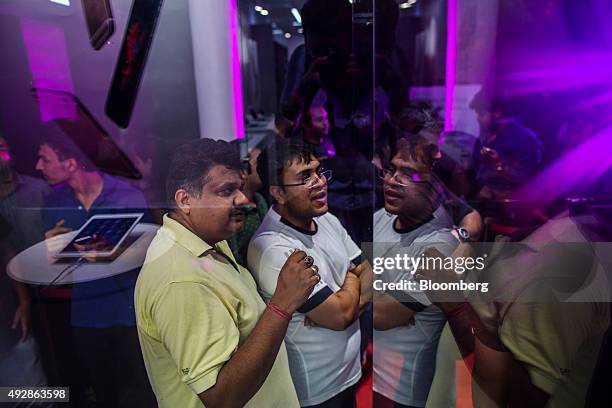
[
  {"x": 538, "y": 331},
  {"x": 21, "y": 200},
  {"x": 102, "y": 311},
  {"x": 20, "y": 365},
  {"x": 508, "y": 154},
  {"x": 337, "y": 72},
  {"x": 408, "y": 329},
  {"x": 313, "y": 130},
  {"x": 422, "y": 130}
]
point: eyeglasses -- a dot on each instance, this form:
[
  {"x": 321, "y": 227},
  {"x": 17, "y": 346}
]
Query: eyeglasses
[
  {"x": 311, "y": 181},
  {"x": 405, "y": 177}
]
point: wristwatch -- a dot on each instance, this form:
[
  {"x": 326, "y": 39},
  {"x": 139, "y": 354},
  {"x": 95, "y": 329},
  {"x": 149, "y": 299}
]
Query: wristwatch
[{"x": 463, "y": 233}]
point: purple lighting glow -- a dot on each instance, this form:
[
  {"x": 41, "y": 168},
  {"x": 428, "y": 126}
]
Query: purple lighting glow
[
  {"x": 236, "y": 75},
  {"x": 560, "y": 71},
  {"x": 451, "y": 64},
  {"x": 48, "y": 59},
  {"x": 574, "y": 172}
]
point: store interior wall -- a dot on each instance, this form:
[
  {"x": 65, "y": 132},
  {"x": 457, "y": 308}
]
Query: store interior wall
[{"x": 166, "y": 108}]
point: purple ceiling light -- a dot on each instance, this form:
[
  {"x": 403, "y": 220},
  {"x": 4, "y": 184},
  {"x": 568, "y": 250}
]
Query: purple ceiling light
[
  {"x": 451, "y": 63},
  {"x": 236, "y": 74}
]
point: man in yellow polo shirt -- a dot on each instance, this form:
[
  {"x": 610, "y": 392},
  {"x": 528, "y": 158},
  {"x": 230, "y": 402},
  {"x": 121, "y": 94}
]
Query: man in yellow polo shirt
[{"x": 206, "y": 335}]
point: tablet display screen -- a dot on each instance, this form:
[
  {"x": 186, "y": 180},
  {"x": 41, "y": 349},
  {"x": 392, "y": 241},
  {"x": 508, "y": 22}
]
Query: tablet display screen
[{"x": 104, "y": 233}]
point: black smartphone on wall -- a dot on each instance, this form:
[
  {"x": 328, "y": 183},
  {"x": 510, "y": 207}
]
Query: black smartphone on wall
[
  {"x": 100, "y": 23},
  {"x": 132, "y": 60}
]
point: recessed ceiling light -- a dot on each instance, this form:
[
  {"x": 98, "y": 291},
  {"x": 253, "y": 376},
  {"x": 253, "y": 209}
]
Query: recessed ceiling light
[
  {"x": 258, "y": 8},
  {"x": 264, "y": 12},
  {"x": 287, "y": 35}
]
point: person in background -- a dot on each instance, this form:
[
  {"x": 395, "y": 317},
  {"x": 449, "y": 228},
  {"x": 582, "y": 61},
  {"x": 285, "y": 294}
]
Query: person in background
[
  {"x": 21, "y": 201},
  {"x": 407, "y": 326},
  {"x": 538, "y": 331},
  {"x": 102, "y": 311},
  {"x": 337, "y": 69},
  {"x": 20, "y": 365},
  {"x": 314, "y": 131},
  {"x": 255, "y": 210},
  {"x": 206, "y": 335},
  {"x": 420, "y": 135},
  {"x": 508, "y": 154}
]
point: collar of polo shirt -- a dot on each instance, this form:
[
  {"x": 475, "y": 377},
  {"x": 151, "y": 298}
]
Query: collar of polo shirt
[
  {"x": 185, "y": 238},
  {"x": 197, "y": 246}
]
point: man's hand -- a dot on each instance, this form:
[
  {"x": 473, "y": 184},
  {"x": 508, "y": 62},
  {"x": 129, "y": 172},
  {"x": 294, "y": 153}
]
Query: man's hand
[
  {"x": 22, "y": 319},
  {"x": 58, "y": 229},
  {"x": 366, "y": 276},
  {"x": 249, "y": 366},
  {"x": 97, "y": 243},
  {"x": 489, "y": 154},
  {"x": 296, "y": 281},
  {"x": 390, "y": 313},
  {"x": 472, "y": 222},
  {"x": 22, "y": 314},
  {"x": 491, "y": 158}
]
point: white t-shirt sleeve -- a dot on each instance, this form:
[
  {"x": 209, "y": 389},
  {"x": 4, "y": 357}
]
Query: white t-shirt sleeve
[{"x": 352, "y": 249}]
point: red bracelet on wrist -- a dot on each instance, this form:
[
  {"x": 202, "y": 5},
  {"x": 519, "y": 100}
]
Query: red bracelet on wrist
[{"x": 280, "y": 312}]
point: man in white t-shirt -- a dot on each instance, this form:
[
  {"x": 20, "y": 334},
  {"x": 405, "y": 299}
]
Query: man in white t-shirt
[
  {"x": 323, "y": 337},
  {"x": 407, "y": 325}
]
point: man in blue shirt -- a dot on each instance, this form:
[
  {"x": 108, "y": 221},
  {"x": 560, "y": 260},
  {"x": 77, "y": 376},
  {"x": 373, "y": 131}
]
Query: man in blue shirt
[
  {"x": 507, "y": 153},
  {"x": 102, "y": 312}
]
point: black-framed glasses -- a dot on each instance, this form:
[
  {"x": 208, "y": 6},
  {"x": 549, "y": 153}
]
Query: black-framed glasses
[
  {"x": 310, "y": 182},
  {"x": 404, "y": 177}
]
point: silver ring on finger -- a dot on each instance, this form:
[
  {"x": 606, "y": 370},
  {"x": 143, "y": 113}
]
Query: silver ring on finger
[
  {"x": 308, "y": 261},
  {"x": 315, "y": 269}
]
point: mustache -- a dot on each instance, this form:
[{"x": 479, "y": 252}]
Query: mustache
[
  {"x": 322, "y": 192},
  {"x": 240, "y": 209},
  {"x": 392, "y": 190}
]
